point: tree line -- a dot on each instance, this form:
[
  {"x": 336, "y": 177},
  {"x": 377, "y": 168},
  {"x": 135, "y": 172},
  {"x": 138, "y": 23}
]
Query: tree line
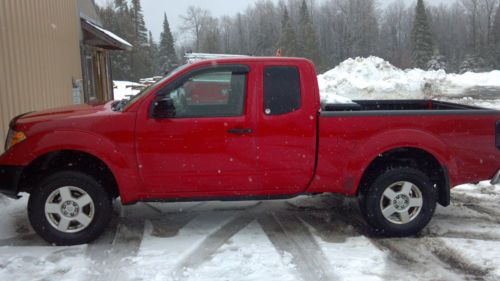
[
  {"x": 459, "y": 36},
  {"x": 147, "y": 58}
]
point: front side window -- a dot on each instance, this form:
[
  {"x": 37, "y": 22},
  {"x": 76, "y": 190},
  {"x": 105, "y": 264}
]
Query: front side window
[{"x": 210, "y": 94}]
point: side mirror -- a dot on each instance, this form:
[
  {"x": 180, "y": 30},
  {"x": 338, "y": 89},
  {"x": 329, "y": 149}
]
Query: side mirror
[{"x": 163, "y": 107}]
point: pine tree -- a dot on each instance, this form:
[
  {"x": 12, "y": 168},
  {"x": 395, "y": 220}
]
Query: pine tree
[
  {"x": 308, "y": 40},
  {"x": 167, "y": 55},
  {"x": 153, "y": 54},
  {"x": 288, "y": 39},
  {"x": 116, "y": 18},
  {"x": 421, "y": 38},
  {"x": 139, "y": 55},
  {"x": 140, "y": 31}
]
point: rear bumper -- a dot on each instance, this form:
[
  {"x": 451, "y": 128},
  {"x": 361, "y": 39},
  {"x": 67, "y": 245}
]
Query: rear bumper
[
  {"x": 496, "y": 178},
  {"x": 9, "y": 180}
]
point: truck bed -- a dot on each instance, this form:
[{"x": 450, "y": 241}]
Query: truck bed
[
  {"x": 465, "y": 139},
  {"x": 383, "y": 107}
]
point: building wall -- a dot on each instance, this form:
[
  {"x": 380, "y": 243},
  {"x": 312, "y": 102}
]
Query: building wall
[
  {"x": 40, "y": 57},
  {"x": 88, "y": 11}
]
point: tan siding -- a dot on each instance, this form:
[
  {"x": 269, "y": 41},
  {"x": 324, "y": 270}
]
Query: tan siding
[{"x": 39, "y": 56}]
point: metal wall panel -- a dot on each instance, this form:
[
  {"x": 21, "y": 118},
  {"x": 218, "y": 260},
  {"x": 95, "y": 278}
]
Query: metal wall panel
[{"x": 39, "y": 56}]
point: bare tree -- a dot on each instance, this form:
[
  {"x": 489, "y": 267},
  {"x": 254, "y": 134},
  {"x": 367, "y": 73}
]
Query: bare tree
[
  {"x": 193, "y": 22},
  {"x": 395, "y": 33},
  {"x": 349, "y": 28}
]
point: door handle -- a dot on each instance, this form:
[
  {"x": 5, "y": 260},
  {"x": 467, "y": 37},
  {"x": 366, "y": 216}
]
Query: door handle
[{"x": 240, "y": 131}]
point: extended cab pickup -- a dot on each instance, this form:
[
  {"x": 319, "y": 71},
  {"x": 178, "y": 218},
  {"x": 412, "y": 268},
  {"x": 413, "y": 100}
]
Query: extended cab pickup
[{"x": 239, "y": 128}]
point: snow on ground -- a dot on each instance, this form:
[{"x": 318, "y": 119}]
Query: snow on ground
[
  {"x": 44, "y": 263},
  {"x": 8, "y": 223},
  {"x": 125, "y": 89},
  {"x": 306, "y": 238},
  {"x": 374, "y": 78}
]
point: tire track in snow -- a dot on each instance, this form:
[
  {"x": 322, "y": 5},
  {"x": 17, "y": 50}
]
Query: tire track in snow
[
  {"x": 125, "y": 244},
  {"x": 464, "y": 235},
  {"x": 335, "y": 230},
  {"x": 456, "y": 260},
  {"x": 289, "y": 235},
  {"x": 474, "y": 204},
  {"x": 432, "y": 255},
  {"x": 467, "y": 219},
  {"x": 420, "y": 254},
  {"x": 98, "y": 250},
  {"x": 412, "y": 254},
  {"x": 209, "y": 246},
  {"x": 167, "y": 225}
]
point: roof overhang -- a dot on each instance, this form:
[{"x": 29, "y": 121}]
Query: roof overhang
[{"x": 97, "y": 36}]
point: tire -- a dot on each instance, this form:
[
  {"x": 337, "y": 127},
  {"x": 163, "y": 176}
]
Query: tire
[
  {"x": 400, "y": 202},
  {"x": 69, "y": 208}
]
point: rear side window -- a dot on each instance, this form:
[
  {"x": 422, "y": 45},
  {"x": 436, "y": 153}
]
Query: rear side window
[{"x": 281, "y": 90}]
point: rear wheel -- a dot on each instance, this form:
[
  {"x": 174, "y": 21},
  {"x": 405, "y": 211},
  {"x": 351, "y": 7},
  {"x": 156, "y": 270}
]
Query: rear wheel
[
  {"x": 400, "y": 202},
  {"x": 69, "y": 208}
]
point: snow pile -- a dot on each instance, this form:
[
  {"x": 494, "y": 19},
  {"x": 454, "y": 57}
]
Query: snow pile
[
  {"x": 456, "y": 83},
  {"x": 125, "y": 89},
  {"x": 375, "y": 78}
]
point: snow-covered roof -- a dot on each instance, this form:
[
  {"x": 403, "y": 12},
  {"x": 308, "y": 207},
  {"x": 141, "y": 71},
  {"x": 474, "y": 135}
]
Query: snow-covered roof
[{"x": 109, "y": 36}]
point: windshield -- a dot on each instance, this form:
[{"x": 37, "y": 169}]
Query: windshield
[{"x": 122, "y": 105}]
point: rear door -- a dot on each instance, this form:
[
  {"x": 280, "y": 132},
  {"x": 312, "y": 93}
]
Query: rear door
[{"x": 287, "y": 116}]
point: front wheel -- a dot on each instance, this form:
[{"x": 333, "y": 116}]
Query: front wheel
[
  {"x": 400, "y": 202},
  {"x": 69, "y": 208}
]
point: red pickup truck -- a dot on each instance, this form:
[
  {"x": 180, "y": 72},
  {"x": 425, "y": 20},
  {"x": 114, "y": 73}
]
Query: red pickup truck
[{"x": 244, "y": 128}]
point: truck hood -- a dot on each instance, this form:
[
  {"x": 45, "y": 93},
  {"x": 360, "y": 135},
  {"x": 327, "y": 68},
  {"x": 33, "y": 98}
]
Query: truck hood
[{"x": 63, "y": 113}]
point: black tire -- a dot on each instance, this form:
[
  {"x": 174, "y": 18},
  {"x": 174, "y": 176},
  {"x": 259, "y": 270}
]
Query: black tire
[
  {"x": 373, "y": 200},
  {"x": 101, "y": 207}
]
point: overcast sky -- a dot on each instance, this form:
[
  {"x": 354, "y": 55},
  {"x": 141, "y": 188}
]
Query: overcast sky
[{"x": 154, "y": 9}]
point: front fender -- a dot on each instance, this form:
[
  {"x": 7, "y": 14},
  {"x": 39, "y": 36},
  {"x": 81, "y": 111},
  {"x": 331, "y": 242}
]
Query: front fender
[
  {"x": 91, "y": 143},
  {"x": 119, "y": 160}
]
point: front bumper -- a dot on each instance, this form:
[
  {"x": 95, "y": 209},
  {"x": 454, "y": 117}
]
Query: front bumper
[
  {"x": 496, "y": 178},
  {"x": 10, "y": 177}
]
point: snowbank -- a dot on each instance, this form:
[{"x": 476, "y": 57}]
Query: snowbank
[
  {"x": 125, "y": 89},
  {"x": 375, "y": 78}
]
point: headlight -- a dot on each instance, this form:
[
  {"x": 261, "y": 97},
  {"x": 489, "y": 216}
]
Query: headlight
[{"x": 13, "y": 138}]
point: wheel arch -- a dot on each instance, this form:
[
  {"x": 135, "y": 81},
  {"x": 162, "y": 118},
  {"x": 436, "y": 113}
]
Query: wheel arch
[
  {"x": 409, "y": 156},
  {"x": 69, "y": 159}
]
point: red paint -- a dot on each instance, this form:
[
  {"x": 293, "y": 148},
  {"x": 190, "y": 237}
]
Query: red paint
[{"x": 197, "y": 157}]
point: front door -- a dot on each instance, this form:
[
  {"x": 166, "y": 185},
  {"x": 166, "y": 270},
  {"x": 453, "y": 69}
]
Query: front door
[{"x": 208, "y": 147}]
